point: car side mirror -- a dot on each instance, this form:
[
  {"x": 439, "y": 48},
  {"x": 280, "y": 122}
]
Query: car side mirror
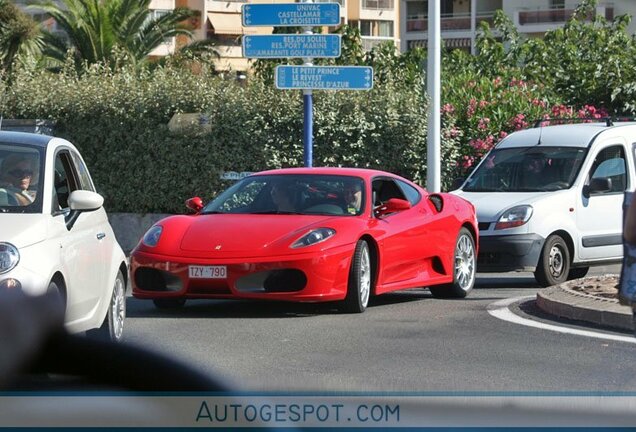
[
  {"x": 195, "y": 204},
  {"x": 391, "y": 206},
  {"x": 82, "y": 201},
  {"x": 600, "y": 184}
]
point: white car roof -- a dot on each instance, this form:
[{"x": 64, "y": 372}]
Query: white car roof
[{"x": 570, "y": 135}]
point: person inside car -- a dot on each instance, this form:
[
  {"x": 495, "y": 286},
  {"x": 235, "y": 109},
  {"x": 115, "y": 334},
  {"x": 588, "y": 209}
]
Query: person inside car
[
  {"x": 282, "y": 198},
  {"x": 353, "y": 197},
  {"x": 16, "y": 173}
]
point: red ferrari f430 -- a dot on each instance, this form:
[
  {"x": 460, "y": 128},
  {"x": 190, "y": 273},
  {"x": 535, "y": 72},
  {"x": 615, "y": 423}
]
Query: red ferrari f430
[{"x": 310, "y": 235}]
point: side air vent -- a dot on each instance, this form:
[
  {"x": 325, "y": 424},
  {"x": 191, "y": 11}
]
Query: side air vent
[{"x": 437, "y": 201}]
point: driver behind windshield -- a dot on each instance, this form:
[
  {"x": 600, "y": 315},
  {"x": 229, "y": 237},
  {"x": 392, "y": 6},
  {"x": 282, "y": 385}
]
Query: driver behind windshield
[
  {"x": 282, "y": 196},
  {"x": 16, "y": 174},
  {"x": 532, "y": 171}
]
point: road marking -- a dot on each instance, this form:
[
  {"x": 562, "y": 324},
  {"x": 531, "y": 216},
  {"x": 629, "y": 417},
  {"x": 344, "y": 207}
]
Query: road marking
[{"x": 499, "y": 309}]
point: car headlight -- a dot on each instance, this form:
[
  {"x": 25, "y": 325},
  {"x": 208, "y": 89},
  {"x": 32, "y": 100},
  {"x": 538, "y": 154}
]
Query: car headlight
[
  {"x": 314, "y": 236},
  {"x": 514, "y": 217},
  {"x": 9, "y": 257},
  {"x": 151, "y": 238}
]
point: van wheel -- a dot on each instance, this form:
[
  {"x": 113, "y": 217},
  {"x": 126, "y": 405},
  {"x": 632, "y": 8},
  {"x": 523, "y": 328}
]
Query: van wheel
[
  {"x": 578, "y": 272},
  {"x": 554, "y": 263}
]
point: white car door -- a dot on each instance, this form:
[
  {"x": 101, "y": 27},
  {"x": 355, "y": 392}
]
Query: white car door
[
  {"x": 82, "y": 250},
  {"x": 599, "y": 216}
]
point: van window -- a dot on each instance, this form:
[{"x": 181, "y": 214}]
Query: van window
[
  {"x": 527, "y": 169},
  {"x": 610, "y": 163}
]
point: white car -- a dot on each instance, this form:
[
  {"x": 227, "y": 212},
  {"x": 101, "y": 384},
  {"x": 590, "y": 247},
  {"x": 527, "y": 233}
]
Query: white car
[
  {"x": 549, "y": 199},
  {"x": 55, "y": 235}
]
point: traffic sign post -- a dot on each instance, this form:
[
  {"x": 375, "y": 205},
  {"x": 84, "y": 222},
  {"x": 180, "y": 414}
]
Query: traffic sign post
[
  {"x": 291, "y": 46},
  {"x": 307, "y": 46},
  {"x": 324, "y": 77}
]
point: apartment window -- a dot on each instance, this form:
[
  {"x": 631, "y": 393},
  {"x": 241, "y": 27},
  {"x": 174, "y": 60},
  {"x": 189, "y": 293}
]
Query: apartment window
[
  {"x": 155, "y": 14},
  {"x": 446, "y": 7},
  {"x": 385, "y": 28},
  {"x": 420, "y": 8},
  {"x": 557, "y": 4},
  {"x": 366, "y": 28},
  {"x": 416, "y": 10}
]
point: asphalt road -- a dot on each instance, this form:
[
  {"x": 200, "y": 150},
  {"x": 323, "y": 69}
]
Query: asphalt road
[{"x": 406, "y": 341}]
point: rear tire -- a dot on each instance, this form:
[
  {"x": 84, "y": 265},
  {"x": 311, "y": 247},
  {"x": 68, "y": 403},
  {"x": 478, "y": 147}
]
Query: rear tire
[
  {"x": 359, "y": 287},
  {"x": 554, "y": 262},
  {"x": 169, "y": 303},
  {"x": 464, "y": 268},
  {"x": 112, "y": 328}
]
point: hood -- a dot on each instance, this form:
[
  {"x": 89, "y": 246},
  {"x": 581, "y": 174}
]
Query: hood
[
  {"x": 247, "y": 235},
  {"x": 22, "y": 230},
  {"x": 490, "y": 205}
]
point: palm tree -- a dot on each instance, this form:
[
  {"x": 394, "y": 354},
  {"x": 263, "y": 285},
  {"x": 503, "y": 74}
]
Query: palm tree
[
  {"x": 20, "y": 36},
  {"x": 96, "y": 29}
]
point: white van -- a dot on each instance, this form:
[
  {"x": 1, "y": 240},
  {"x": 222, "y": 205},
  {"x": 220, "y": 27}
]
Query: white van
[{"x": 549, "y": 199}]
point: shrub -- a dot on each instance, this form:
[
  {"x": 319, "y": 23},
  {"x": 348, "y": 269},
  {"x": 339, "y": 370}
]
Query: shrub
[{"x": 118, "y": 120}]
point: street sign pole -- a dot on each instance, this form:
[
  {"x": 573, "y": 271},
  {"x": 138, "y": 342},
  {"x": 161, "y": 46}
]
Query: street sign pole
[
  {"x": 306, "y": 46},
  {"x": 308, "y": 112}
]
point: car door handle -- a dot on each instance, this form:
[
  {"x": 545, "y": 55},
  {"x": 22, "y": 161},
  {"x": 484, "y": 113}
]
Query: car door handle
[{"x": 100, "y": 236}]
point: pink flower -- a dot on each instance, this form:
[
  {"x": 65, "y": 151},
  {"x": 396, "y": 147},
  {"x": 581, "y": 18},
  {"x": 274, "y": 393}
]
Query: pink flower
[
  {"x": 483, "y": 123},
  {"x": 466, "y": 161},
  {"x": 518, "y": 122},
  {"x": 503, "y": 134},
  {"x": 483, "y": 104},
  {"x": 448, "y": 109},
  {"x": 497, "y": 81}
]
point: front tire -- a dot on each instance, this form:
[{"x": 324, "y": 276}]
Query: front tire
[
  {"x": 464, "y": 268},
  {"x": 554, "y": 262},
  {"x": 113, "y": 327},
  {"x": 359, "y": 287}
]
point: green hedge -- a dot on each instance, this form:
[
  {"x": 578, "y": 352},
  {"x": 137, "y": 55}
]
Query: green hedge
[{"x": 119, "y": 120}]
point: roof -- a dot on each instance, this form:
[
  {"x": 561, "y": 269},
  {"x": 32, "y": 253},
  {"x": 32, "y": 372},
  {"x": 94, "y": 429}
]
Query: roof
[
  {"x": 570, "y": 135},
  {"x": 357, "y": 172},
  {"x": 25, "y": 138}
]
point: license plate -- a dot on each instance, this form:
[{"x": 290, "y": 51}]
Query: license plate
[{"x": 207, "y": 272}]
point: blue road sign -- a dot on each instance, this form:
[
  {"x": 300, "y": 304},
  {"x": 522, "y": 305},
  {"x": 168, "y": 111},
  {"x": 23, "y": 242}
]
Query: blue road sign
[
  {"x": 324, "y": 77},
  {"x": 286, "y": 46},
  {"x": 291, "y": 14}
]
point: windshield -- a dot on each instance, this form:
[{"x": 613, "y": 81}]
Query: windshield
[
  {"x": 303, "y": 194},
  {"x": 526, "y": 169},
  {"x": 20, "y": 174}
]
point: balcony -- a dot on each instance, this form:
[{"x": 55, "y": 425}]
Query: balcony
[
  {"x": 449, "y": 22},
  {"x": 378, "y": 4},
  {"x": 557, "y": 16}
]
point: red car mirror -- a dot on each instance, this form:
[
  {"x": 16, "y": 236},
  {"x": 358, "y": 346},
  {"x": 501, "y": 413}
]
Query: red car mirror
[
  {"x": 391, "y": 206},
  {"x": 195, "y": 204}
]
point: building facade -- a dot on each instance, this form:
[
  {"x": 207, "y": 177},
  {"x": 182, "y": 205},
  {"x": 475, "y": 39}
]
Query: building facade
[
  {"x": 460, "y": 19},
  {"x": 405, "y": 22}
]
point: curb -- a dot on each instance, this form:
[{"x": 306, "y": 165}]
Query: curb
[{"x": 562, "y": 301}]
